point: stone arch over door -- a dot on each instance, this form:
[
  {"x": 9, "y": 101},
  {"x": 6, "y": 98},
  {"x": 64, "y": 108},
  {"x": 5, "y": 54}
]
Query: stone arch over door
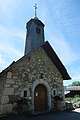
[{"x": 44, "y": 83}]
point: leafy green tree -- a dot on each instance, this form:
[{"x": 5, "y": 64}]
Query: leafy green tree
[{"x": 76, "y": 83}]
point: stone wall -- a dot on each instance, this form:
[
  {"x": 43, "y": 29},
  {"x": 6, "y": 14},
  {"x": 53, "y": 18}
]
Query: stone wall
[
  {"x": 23, "y": 73},
  {"x": 2, "y": 83}
]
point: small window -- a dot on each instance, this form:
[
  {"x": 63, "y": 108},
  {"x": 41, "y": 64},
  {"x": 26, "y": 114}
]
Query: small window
[
  {"x": 54, "y": 92},
  {"x": 38, "y": 30},
  {"x": 41, "y": 75},
  {"x": 25, "y": 93}
]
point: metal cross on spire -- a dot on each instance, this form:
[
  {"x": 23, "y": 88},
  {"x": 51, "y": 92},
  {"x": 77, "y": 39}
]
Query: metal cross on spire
[{"x": 35, "y": 6}]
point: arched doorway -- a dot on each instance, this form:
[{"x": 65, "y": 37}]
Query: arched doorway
[{"x": 40, "y": 98}]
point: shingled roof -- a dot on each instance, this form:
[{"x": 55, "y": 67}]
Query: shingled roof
[
  {"x": 37, "y": 21},
  {"x": 55, "y": 59},
  {"x": 73, "y": 88}
]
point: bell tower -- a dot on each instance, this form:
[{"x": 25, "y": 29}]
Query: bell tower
[{"x": 35, "y": 34}]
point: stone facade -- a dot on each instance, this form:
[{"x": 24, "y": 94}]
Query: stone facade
[{"x": 24, "y": 75}]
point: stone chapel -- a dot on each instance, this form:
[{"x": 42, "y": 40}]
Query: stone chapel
[{"x": 34, "y": 83}]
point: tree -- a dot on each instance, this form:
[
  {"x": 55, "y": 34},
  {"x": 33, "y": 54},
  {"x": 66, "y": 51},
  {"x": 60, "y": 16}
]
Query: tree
[{"x": 76, "y": 83}]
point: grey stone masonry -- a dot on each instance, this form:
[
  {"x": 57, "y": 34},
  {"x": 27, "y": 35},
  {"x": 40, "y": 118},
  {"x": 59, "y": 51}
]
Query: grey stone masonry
[{"x": 35, "y": 66}]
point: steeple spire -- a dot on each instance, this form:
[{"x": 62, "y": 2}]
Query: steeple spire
[
  {"x": 35, "y": 6},
  {"x": 35, "y": 33}
]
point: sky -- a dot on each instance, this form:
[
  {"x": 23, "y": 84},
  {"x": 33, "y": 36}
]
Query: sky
[{"x": 62, "y": 30}]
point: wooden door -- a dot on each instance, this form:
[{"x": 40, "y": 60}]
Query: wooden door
[{"x": 40, "y": 98}]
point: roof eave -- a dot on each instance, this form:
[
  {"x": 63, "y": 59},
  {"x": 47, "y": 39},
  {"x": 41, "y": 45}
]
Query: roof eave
[{"x": 55, "y": 59}]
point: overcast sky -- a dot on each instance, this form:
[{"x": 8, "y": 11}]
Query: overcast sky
[{"x": 62, "y": 30}]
